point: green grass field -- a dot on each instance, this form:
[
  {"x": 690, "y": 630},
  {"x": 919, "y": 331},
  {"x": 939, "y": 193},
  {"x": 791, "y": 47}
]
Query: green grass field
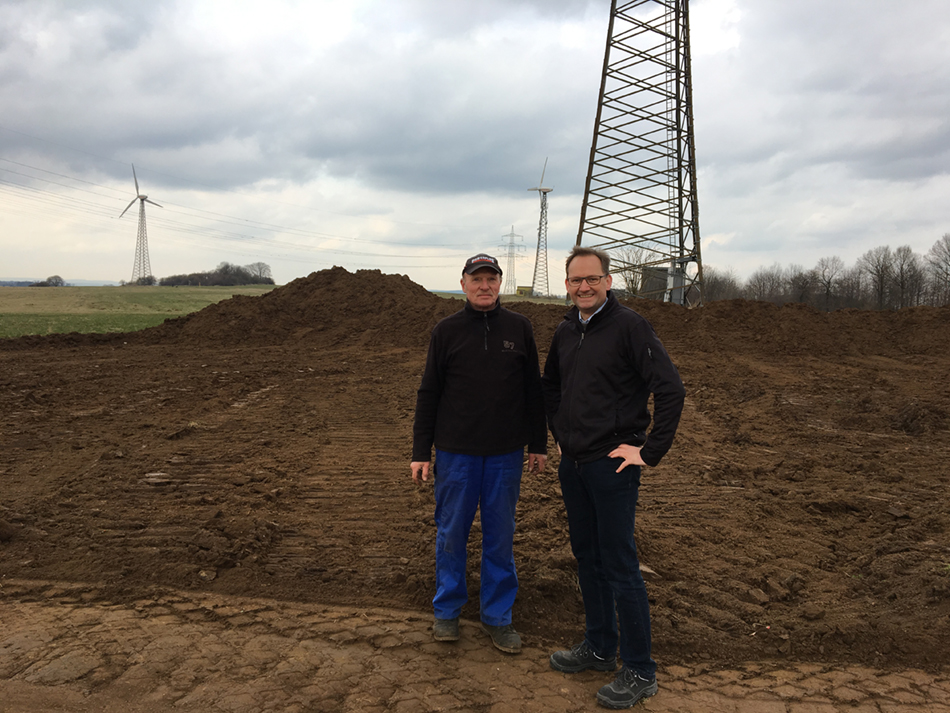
[
  {"x": 59, "y": 310},
  {"x": 558, "y": 300}
]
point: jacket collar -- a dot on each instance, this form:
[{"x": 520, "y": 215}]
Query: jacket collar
[
  {"x": 477, "y": 314},
  {"x": 573, "y": 314}
]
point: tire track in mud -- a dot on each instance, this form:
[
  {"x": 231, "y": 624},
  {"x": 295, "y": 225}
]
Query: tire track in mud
[
  {"x": 803, "y": 492},
  {"x": 357, "y": 516},
  {"x": 67, "y": 647}
]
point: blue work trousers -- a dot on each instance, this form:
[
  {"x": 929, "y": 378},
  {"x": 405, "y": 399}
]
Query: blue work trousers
[
  {"x": 462, "y": 484},
  {"x": 601, "y": 513}
]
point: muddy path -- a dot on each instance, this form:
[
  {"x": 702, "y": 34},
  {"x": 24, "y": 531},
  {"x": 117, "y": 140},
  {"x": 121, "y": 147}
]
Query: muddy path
[{"x": 68, "y": 648}]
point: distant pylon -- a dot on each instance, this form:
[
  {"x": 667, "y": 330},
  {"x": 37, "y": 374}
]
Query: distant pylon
[
  {"x": 141, "y": 268},
  {"x": 539, "y": 285},
  {"x": 640, "y": 200},
  {"x": 510, "y": 281}
]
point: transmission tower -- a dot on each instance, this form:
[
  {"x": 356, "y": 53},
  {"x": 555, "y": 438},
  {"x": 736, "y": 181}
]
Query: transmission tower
[
  {"x": 640, "y": 199},
  {"x": 539, "y": 284},
  {"x": 510, "y": 282},
  {"x": 141, "y": 268}
]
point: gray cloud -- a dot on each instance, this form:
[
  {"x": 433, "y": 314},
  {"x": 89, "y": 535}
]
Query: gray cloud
[
  {"x": 419, "y": 111},
  {"x": 822, "y": 128}
]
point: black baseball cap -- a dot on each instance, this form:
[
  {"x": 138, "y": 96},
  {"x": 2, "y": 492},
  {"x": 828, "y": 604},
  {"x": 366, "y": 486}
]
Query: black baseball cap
[{"x": 479, "y": 261}]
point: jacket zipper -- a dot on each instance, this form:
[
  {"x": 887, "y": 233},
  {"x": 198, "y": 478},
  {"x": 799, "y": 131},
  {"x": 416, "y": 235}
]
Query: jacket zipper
[
  {"x": 487, "y": 330},
  {"x": 580, "y": 343}
]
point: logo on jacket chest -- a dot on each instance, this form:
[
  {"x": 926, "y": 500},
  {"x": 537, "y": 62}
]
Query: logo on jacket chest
[{"x": 507, "y": 346}]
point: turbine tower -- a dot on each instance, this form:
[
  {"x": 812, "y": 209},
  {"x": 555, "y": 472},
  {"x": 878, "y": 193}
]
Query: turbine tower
[
  {"x": 511, "y": 284},
  {"x": 640, "y": 200},
  {"x": 540, "y": 281},
  {"x": 142, "y": 268}
]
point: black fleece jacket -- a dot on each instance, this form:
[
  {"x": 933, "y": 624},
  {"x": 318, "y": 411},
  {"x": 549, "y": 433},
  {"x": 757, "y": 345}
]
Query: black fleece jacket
[
  {"x": 598, "y": 379},
  {"x": 481, "y": 389}
]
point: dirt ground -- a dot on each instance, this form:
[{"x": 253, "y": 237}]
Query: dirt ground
[{"x": 259, "y": 448}]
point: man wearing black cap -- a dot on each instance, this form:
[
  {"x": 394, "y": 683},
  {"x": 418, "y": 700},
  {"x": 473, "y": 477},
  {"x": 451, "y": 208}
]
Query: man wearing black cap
[{"x": 479, "y": 403}]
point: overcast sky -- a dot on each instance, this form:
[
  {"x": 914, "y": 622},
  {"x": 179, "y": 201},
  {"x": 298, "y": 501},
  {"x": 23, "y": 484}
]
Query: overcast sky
[{"x": 403, "y": 134}]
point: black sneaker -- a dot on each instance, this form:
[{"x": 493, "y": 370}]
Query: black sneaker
[
  {"x": 446, "y": 629},
  {"x": 626, "y": 690},
  {"x": 505, "y": 638},
  {"x": 581, "y": 658}
]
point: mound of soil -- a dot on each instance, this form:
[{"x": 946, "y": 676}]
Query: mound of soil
[
  {"x": 330, "y": 307},
  {"x": 261, "y": 447}
]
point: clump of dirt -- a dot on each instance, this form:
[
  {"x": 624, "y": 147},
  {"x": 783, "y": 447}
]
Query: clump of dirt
[
  {"x": 261, "y": 447},
  {"x": 7, "y": 531}
]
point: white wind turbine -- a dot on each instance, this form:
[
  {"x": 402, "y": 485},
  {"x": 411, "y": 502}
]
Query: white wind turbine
[{"x": 142, "y": 268}]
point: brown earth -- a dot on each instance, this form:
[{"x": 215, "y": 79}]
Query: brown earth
[{"x": 260, "y": 448}]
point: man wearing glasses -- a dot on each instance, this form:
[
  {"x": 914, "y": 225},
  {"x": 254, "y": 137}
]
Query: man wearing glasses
[{"x": 605, "y": 361}]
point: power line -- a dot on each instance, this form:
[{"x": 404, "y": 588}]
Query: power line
[
  {"x": 191, "y": 181},
  {"x": 58, "y": 199}
]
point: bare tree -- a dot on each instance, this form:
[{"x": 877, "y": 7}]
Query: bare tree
[
  {"x": 260, "y": 270},
  {"x": 878, "y": 264},
  {"x": 766, "y": 284},
  {"x": 801, "y": 283},
  {"x": 907, "y": 278},
  {"x": 827, "y": 273},
  {"x": 627, "y": 266},
  {"x": 852, "y": 287},
  {"x": 720, "y": 284},
  {"x": 938, "y": 267},
  {"x": 225, "y": 268}
]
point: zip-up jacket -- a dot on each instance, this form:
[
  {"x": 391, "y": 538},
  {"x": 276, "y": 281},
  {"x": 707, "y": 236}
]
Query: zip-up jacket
[
  {"x": 598, "y": 379},
  {"x": 481, "y": 389}
]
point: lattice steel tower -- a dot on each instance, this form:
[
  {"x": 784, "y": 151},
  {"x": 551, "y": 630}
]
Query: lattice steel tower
[
  {"x": 539, "y": 284},
  {"x": 640, "y": 199},
  {"x": 511, "y": 248}
]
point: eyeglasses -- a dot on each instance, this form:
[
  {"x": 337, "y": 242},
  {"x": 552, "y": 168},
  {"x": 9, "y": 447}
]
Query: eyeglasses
[{"x": 592, "y": 280}]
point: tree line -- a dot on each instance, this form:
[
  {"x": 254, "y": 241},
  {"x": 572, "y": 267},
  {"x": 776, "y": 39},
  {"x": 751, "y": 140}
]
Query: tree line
[
  {"x": 224, "y": 275},
  {"x": 51, "y": 281},
  {"x": 881, "y": 278}
]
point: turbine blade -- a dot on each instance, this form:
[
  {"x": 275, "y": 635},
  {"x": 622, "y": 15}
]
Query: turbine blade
[
  {"x": 542, "y": 172},
  {"x": 135, "y": 178},
  {"x": 128, "y": 206},
  {"x": 152, "y": 202}
]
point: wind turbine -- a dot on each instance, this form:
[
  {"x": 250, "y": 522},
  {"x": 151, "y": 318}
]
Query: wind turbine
[
  {"x": 142, "y": 268},
  {"x": 541, "y": 258}
]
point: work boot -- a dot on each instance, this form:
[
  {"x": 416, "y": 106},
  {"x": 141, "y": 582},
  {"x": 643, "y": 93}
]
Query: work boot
[
  {"x": 626, "y": 690},
  {"x": 505, "y": 638},
  {"x": 446, "y": 629},
  {"x": 580, "y": 658}
]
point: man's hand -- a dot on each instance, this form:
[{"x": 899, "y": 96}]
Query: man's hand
[
  {"x": 419, "y": 469},
  {"x": 536, "y": 462},
  {"x": 630, "y": 455}
]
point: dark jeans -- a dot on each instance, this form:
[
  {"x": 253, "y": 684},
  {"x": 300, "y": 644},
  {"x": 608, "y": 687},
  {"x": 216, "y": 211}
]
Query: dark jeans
[{"x": 601, "y": 511}]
